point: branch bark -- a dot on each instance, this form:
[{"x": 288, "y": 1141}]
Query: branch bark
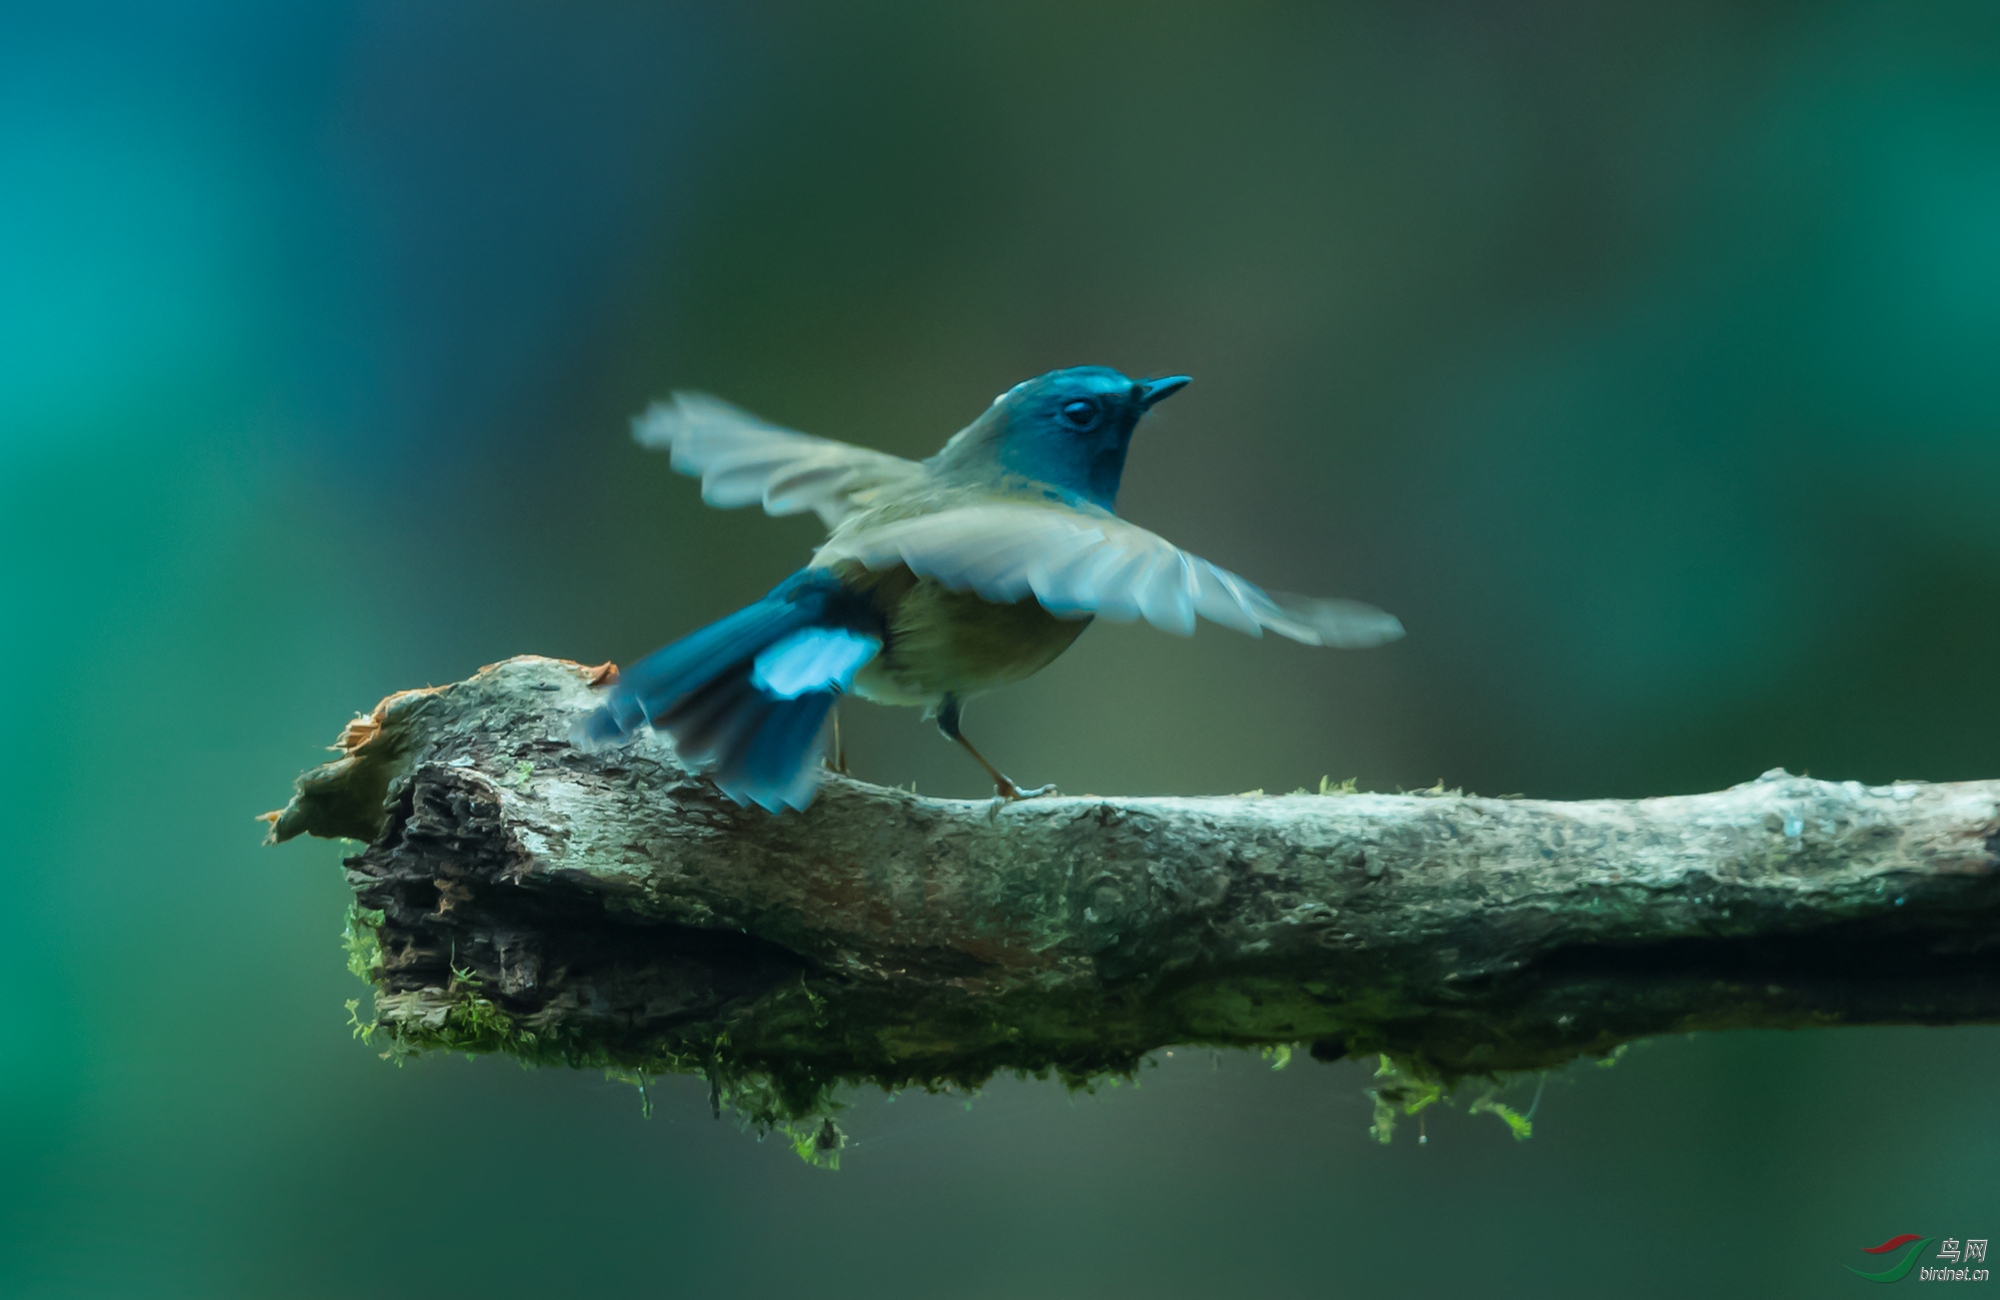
[{"x": 612, "y": 908}]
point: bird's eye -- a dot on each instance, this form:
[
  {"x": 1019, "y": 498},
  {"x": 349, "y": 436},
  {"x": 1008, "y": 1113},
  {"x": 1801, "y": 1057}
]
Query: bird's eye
[{"x": 1080, "y": 415}]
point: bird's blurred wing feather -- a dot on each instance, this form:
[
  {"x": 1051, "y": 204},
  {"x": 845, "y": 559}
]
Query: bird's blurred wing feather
[
  {"x": 742, "y": 460},
  {"x": 1076, "y": 564}
]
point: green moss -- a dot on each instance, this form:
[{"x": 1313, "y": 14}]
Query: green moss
[
  {"x": 475, "y": 1024},
  {"x": 364, "y": 1032},
  {"x": 363, "y": 946},
  {"x": 1520, "y": 1125},
  {"x": 1406, "y": 1088},
  {"x": 1400, "y": 1088},
  {"x": 772, "y": 1094},
  {"x": 779, "y": 1064},
  {"x": 817, "y": 1144},
  {"x": 796, "y": 1102}
]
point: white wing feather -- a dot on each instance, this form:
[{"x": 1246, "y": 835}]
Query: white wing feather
[
  {"x": 1079, "y": 563},
  {"x": 742, "y": 460}
]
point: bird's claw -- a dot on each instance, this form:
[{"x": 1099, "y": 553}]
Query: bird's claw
[{"x": 1005, "y": 791}]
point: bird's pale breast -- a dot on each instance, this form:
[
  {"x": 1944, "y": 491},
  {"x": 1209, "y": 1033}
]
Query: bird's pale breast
[{"x": 943, "y": 642}]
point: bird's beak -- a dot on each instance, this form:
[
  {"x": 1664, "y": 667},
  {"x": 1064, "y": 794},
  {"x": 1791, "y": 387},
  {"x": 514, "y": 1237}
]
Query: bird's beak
[{"x": 1157, "y": 390}]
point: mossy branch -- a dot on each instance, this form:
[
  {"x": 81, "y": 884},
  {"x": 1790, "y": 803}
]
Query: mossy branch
[{"x": 611, "y": 909}]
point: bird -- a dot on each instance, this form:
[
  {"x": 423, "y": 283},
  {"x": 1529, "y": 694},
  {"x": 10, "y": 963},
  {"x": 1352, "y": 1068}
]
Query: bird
[{"x": 938, "y": 580}]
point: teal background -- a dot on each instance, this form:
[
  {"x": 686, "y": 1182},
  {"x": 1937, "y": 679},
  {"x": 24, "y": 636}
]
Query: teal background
[{"x": 1642, "y": 358}]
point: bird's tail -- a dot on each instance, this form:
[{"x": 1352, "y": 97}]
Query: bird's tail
[{"x": 747, "y": 696}]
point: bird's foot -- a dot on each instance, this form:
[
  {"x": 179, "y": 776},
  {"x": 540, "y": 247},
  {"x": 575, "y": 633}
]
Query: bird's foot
[{"x": 1007, "y": 792}]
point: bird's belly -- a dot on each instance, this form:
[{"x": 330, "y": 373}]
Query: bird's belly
[{"x": 943, "y": 642}]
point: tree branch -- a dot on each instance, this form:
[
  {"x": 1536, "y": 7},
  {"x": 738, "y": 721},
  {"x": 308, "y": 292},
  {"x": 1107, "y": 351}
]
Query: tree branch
[{"x": 610, "y": 908}]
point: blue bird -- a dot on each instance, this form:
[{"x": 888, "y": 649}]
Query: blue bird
[{"x": 938, "y": 580}]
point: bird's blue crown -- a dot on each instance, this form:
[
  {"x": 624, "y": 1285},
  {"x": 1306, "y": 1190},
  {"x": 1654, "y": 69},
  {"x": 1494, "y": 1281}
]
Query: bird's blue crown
[{"x": 1068, "y": 429}]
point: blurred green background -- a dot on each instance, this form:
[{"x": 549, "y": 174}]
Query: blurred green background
[{"x": 1644, "y": 359}]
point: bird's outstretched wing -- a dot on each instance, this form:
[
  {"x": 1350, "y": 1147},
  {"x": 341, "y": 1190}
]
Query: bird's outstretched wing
[
  {"x": 1078, "y": 563},
  {"x": 742, "y": 460}
]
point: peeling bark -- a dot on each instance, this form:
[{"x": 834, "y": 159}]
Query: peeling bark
[{"x": 612, "y": 908}]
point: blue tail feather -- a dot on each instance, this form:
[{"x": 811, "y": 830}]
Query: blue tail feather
[
  {"x": 766, "y": 767},
  {"x": 748, "y": 695},
  {"x": 708, "y": 722}
]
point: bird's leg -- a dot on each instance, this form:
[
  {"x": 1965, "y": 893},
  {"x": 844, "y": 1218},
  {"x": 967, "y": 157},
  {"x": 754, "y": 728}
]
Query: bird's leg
[
  {"x": 1002, "y": 784},
  {"x": 947, "y": 721},
  {"x": 839, "y": 747}
]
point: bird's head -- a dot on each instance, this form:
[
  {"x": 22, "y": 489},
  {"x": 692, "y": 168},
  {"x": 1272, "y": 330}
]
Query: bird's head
[{"x": 1068, "y": 429}]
